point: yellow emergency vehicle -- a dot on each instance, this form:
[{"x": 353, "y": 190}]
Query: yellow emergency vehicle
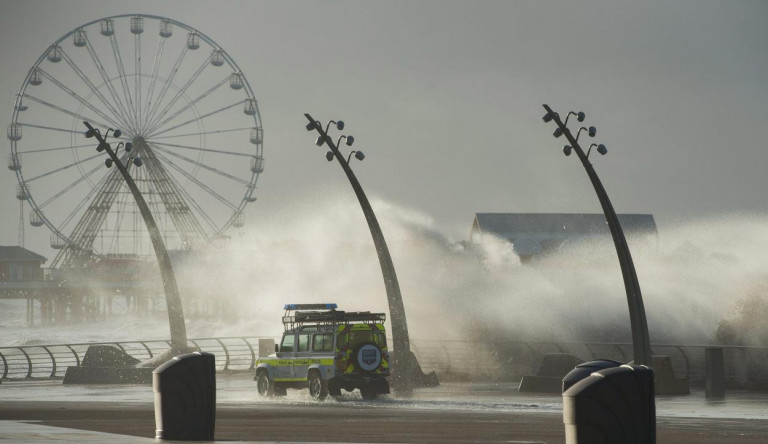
[{"x": 326, "y": 350}]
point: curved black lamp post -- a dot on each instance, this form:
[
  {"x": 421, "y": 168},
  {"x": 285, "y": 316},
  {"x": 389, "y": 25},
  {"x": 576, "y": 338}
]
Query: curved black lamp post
[
  {"x": 403, "y": 362},
  {"x": 641, "y": 343},
  {"x": 173, "y": 300}
]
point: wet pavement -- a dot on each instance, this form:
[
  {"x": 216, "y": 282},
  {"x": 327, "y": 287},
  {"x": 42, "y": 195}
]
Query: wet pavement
[{"x": 481, "y": 412}]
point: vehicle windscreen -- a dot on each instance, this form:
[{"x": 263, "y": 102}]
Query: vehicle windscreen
[{"x": 287, "y": 345}]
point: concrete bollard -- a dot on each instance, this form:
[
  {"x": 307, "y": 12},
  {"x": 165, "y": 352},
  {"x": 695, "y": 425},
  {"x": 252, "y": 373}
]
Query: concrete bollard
[
  {"x": 611, "y": 406},
  {"x": 185, "y": 398},
  {"x": 714, "y": 371}
]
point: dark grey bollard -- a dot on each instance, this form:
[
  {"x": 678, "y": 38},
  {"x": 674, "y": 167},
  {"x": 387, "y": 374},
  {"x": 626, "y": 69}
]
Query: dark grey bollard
[
  {"x": 585, "y": 369},
  {"x": 611, "y": 406},
  {"x": 185, "y": 398},
  {"x": 714, "y": 370}
]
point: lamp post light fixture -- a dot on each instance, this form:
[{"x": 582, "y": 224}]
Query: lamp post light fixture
[
  {"x": 173, "y": 300},
  {"x": 403, "y": 362},
  {"x": 641, "y": 345}
]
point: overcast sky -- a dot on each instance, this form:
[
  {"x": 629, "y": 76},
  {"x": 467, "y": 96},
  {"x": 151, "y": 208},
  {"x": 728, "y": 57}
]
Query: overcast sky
[{"x": 445, "y": 98}]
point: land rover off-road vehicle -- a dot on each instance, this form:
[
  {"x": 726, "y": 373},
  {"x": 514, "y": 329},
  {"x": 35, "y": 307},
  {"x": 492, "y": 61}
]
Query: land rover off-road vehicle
[{"x": 325, "y": 351}]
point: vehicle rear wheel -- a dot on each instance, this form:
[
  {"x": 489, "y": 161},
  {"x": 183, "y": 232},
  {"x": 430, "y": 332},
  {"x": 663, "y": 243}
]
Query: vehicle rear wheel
[
  {"x": 264, "y": 386},
  {"x": 318, "y": 388},
  {"x": 368, "y": 393}
]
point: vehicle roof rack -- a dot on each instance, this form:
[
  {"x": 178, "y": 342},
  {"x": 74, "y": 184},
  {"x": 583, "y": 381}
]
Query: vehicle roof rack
[
  {"x": 328, "y": 316},
  {"x": 310, "y": 307}
]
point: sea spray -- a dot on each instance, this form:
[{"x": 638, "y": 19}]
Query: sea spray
[{"x": 321, "y": 251}]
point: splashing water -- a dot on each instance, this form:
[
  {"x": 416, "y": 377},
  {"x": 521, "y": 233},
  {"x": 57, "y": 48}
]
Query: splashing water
[{"x": 321, "y": 251}]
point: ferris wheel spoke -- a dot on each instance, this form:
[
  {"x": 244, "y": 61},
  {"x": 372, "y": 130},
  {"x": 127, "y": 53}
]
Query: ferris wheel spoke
[
  {"x": 137, "y": 74},
  {"x": 60, "y": 169},
  {"x": 200, "y": 184},
  {"x": 70, "y": 186},
  {"x": 199, "y": 118},
  {"x": 94, "y": 90},
  {"x": 65, "y": 111},
  {"x": 58, "y": 148},
  {"x": 195, "y": 148},
  {"x": 190, "y": 104},
  {"x": 105, "y": 78},
  {"x": 179, "y": 94},
  {"x": 204, "y": 133},
  {"x": 166, "y": 85},
  {"x": 130, "y": 111},
  {"x": 153, "y": 80},
  {"x": 50, "y": 128},
  {"x": 202, "y": 165}
]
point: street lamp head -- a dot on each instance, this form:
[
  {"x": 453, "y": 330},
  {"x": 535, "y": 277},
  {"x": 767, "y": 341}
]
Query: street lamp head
[
  {"x": 350, "y": 140},
  {"x": 567, "y": 150},
  {"x": 547, "y": 117},
  {"x": 591, "y": 131},
  {"x": 329, "y": 156},
  {"x": 602, "y": 149},
  {"x": 359, "y": 155},
  {"x": 320, "y": 140},
  {"x": 128, "y": 146},
  {"x": 311, "y": 126},
  {"x": 340, "y": 125},
  {"x": 117, "y": 133},
  {"x": 558, "y": 132},
  {"x": 580, "y": 116},
  {"x": 137, "y": 161},
  {"x": 108, "y": 163},
  {"x": 89, "y": 134},
  {"x": 102, "y": 146}
]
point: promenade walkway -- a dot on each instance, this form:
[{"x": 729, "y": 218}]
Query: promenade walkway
[{"x": 47, "y": 411}]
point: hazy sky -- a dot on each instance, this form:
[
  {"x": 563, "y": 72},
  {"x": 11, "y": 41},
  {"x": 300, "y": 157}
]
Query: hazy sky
[{"x": 445, "y": 99}]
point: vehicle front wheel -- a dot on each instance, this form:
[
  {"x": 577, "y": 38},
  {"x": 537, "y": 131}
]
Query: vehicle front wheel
[
  {"x": 264, "y": 386},
  {"x": 318, "y": 388}
]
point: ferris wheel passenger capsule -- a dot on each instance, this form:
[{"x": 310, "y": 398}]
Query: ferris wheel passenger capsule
[
  {"x": 217, "y": 57},
  {"x": 13, "y": 162},
  {"x": 107, "y": 27},
  {"x": 193, "y": 40},
  {"x": 236, "y": 80},
  {"x": 54, "y": 55},
  {"x": 166, "y": 29},
  {"x": 35, "y": 219},
  {"x": 137, "y": 25},
  {"x": 14, "y": 132},
  {"x": 250, "y": 107},
  {"x": 257, "y": 135},
  {"x": 79, "y": 38},
  {"x": 36, "y": 78}
]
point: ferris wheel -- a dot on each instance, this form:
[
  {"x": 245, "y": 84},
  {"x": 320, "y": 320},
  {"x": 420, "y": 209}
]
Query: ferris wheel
[{"x": 182, "y": 102}]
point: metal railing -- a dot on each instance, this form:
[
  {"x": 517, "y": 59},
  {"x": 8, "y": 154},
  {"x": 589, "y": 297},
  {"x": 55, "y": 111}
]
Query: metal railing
[
  {"x": 745, "y": 367},
  {"x": 52, "y": 360}
]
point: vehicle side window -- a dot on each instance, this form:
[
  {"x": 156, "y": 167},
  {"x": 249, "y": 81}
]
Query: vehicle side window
[
  {"x": 287, "y": 345},
  {"x": 322, "y": 342},
  {"x": 303, "y": 343}
]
